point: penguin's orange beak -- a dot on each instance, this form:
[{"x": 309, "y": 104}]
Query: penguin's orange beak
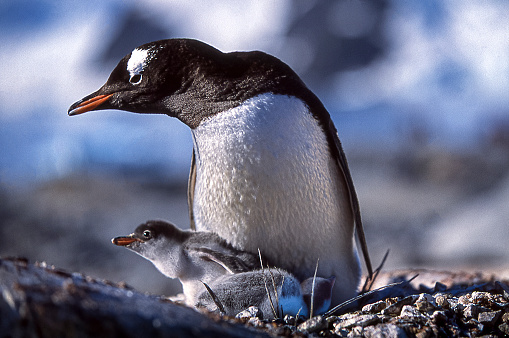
[
  {"x": 88, "y": 105},
  {"x": 124, "y": 240}
]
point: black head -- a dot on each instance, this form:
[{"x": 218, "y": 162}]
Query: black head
[
  {"x": 152, "y": 231},
  {"x": 189, "y": 79}
]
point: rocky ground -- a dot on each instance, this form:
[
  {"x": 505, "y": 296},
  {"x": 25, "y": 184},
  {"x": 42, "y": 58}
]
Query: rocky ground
[
  {"x": 41, "y": 301},
  {"x": 458, "y": 305}
]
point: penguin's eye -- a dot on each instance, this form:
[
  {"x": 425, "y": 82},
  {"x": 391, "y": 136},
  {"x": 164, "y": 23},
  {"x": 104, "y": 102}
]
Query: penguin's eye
[
  {"x": 147, "y": 234},
  {"x": 135, "y": 79}
]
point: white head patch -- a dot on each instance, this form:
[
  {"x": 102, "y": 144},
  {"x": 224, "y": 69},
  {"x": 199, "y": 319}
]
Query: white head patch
[{"x": 138, "y": 61}]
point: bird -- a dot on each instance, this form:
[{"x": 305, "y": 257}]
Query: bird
[
  {"x": 268, "y": 171},
  {"x": 194, "y": 257},
  {"x": 212, "y": 272}
]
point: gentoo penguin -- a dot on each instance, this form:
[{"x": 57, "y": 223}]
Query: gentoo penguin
[
  {"x": 233, "y": 276},
  {"x": 268, "y": 171},
  {"x": 194, "y": 257}
]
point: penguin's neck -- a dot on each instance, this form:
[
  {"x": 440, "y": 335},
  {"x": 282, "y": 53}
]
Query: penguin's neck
[{"x": 269, "y": 153}]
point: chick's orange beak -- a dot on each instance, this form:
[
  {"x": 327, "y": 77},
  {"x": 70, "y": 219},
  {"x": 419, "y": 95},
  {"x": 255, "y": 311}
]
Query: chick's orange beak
[{"x": 124, "y": 240}]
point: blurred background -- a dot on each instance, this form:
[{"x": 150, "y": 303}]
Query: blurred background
[{"x": 419, "y": 92}]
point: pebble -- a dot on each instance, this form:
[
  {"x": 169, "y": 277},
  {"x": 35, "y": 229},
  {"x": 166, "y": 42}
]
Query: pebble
[
  {"x": 250, "y": 312},
  {"x": 441, "y": 300},
  {"x": 314, "y": 324},
  {"x": 374, "y": 307},
  {"x": 357, "y": 320},
  {"x": 489, "y": 318},
  {"x": 425, "y": 302},
  {"x": 410, "y": 311},
  {"x": 504, "y": 328},
  {"x": 395, "y": 309},
  {"x": 470, "y": 311},
  {"x": 382, "y": 330}
]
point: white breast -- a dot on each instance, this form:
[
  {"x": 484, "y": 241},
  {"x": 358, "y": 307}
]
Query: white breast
[{"x": 266, "y": 179}]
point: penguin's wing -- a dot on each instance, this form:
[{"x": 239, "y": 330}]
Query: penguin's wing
[
  {"x": 343, "y": 166},
  {"x": 231, "y": 264},
  {"x": 190, "y": 191}
]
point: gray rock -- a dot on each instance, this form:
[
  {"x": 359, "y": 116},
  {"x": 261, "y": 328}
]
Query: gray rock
[
  {"x": 252, "y": 311},
  {"x": 441, "y": 300},
  {"x": 395, "y": 309},
  {"x": 489, "y": 318},
  {"x": 439, "y": 317},
  {"x": 504, "y": 327},
  {"x": 374, "y": 307},
  {"x": 481, "y": 298},
  {"x": 425, "y": 303},
  {"x": 356, "y": 320},
  {"x": 410, "y": 311},
  {"x": 314, "y": 324},
  {"x": 47, "y": 302},
  {"x": 470, "y": 311},
  {"x": 384, "y": 330},
  {"x": 505, "y": 317}
]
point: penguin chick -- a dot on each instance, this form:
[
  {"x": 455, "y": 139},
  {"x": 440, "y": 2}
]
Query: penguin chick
[
  {"x": 192, "y": 257},
  {"x": 238, "y": 292}
]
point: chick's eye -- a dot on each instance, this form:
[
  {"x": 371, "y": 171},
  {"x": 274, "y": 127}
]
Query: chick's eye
[
  {"x": 147, "y": 234},
  {"x": 135, "y": 79}
]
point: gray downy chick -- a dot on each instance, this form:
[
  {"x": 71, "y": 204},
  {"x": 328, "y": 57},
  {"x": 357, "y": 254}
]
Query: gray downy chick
[
  {"x": 232, "y": 275},
  {"x": 192, "y": 257}
]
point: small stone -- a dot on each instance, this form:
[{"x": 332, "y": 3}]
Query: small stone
[
  {"x": 355, "y": 332},
  {"x": 505, "y": 317},
  {"x": 475, "y": 328},
  {"x": 342, "y": 333},
  {"x": 374, "y": 307},
  {"x": 425, "y": 303},
  {"x": 410, "y": 311},
  {"x": 504, "y": 328},
  {"x": 425, "y": 297},
  {"x": 289, "y": 320},
  {"x": 256, "y": 322},
  {"x": 424, "y": 333},
  {"x": 314, "y": 324},
  {"x": 250, "y": 312},
  {"x": 331, "y": 319},
  {"x": 441, "y": 301},
  {"x": 481, "y": 298},
  {"x": 395, "y": 309},
  {"x": 464, "y": 300},
  {"x": 384, "y": 330},
  {"x": 439, "y": 317},
  {"x": 489, "y": 318},
  {"x": 470, "y": 311},
  {"x": 359, "y": 320}
]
